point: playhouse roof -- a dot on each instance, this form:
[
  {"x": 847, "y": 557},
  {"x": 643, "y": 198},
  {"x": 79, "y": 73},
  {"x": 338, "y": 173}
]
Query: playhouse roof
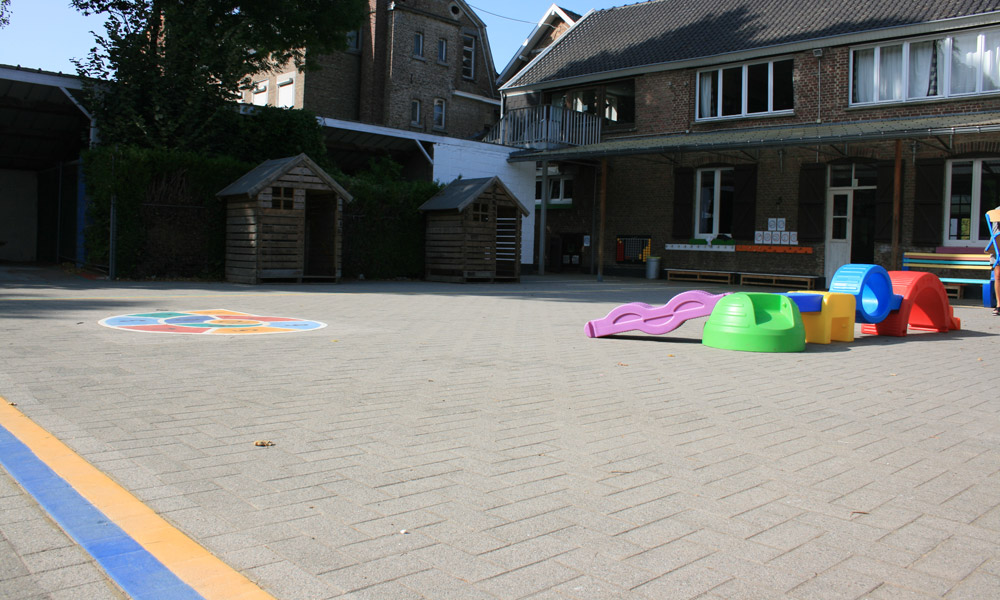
[
  {"x": 458, "y": 194},
  {"x": 269, "y": 171}
]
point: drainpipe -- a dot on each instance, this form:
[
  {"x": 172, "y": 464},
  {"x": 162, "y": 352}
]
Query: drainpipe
[
  {"x": 818, "y": 53},
  {"x": 600, "y": 234},
  {"x": 897, "y": 186}
]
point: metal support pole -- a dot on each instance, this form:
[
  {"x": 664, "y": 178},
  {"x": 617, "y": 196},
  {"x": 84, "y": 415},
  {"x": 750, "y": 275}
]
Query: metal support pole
[
  {"x": 600, "y": 233},
  {"x": 897, "y": 189},
  {"x": 543, "y": 238}
]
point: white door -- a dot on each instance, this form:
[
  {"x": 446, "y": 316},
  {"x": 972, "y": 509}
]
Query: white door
[{"x": 838, "y": 231}]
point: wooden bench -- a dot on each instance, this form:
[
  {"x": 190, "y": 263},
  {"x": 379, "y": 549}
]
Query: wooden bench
[
  {"x": 696, "y": 275},
  {"x": 925, "y": 261},
  {"x": 800, "y": 282}
]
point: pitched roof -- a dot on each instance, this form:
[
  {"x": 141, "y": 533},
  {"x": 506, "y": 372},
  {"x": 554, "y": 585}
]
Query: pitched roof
[
  {"x": 264, "y": 174},
  {"x": 523, "y": 55},
  {"x": 458, "y": 194},
  {"x": 668, "y": 31}
]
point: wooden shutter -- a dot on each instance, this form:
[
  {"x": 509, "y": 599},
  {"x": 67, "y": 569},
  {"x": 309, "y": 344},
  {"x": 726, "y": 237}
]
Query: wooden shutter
[
  {"x": 744, "y": 202},
  {"x": 683, "y": 203},
  {"x": 812, "y": 203},
  {"x": 883, "y": 200},
  {"x": 928, "y": 202}
]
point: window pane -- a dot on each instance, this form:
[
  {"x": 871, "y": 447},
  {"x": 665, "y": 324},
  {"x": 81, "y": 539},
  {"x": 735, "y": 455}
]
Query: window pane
[
  {"x": 732, "y": 91},
  {"x": 708, "y": 94},
  {"x": 418, "y": 44},
  {"x": 443, "y": 50},
  {"x": 890, "y": 73},
  {"x": 926, "y": 64},
  {"x": 468, "y": 56},
  {"x": 727, "y": 192},
  {"x": 619, "y": 100},
  {"x": 991, "y": 63},
  {"x": 964, "y": 62},
  {"x": 960, "y": 204},
  {"x": 567, "y": 189},
  {"x": 415, "y": 111},
  {"x": 863, "y": 84},
  {"x": 866, "y": 174},
  {"x": 554, "y": 189},
  {"x": 757, "y": 88},
  {"x": 841, "y": 176},
  {"x": 782, "y": 90},
  {"x": 538, "y": 189},
  {"x": 989, "y": 194},
  {"x": 584, "y": 101},
  {"x": 706, "y": 202}
]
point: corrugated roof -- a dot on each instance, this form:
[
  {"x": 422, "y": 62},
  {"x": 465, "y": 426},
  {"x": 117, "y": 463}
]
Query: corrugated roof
[
  {"x": 264, "y": 174},
  {"x": 458, "y": 194},
  {"x": 665, "y": 31},
  {"x": 797, "y": 135}
]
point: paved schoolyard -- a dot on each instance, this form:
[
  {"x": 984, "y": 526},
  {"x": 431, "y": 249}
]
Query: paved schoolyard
[{"x": 468, "y": 441}]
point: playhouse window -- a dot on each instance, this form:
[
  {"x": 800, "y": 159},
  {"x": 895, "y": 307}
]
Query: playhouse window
[{"x": 282, "y": 198}]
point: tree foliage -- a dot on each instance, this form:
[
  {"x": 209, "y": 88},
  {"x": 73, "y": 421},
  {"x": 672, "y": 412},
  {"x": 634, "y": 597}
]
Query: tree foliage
[
  {"x": 4, "y": 13},
  {"x": 174, "y": 67}
]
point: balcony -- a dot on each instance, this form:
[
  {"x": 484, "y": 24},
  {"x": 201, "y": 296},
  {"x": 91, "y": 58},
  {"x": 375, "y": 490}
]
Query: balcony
[{"x": 545, "y": 128}]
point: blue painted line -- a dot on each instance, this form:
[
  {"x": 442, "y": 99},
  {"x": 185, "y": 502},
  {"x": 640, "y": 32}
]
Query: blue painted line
[{"x": 131, "y": 566}]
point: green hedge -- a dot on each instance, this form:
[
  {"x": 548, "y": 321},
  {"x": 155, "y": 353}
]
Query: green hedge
[
  {"x": 169, "y": 221},
  {"x": 383, "y": 230}
]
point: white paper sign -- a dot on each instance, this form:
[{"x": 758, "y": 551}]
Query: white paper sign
[
  {"x": 772, "y": 224},
  {"x": 784, "y": 237},
  {"x": 758, "y": 237},
  {"x": 767, "y": 237},
  {"x": 781, "y": 224},
  {"x": 793, "y": 238}
]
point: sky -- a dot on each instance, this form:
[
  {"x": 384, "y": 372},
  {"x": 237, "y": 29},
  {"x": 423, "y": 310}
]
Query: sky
[{"x": 48, "y": 34}]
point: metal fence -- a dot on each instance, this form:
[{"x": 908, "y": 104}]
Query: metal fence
[{"x": 545, "y": 127}]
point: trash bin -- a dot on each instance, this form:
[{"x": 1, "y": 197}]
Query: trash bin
[{"x": 652, "y": 267}]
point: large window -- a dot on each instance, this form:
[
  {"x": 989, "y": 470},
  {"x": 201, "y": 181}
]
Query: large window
[
  {"x": 746, "y": 90},
  {"x": 560, "y": 191},
  {"x": 259, "y": 93},
  {"x": 418, "y": 45},
  {"x": 714, "y": 193},
  {"x": 614, "y": 101},
  {"x": 468, "y": 56},
  {"x": 942, "y": 67},
  {"x": 415, "y": 112},
  {"x": 286, "y": 91},
  {"x": 972, "y": 188},
  {"x": 439, "y": 113}
]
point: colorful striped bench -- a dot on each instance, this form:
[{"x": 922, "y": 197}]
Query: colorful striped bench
[{"x": 924, "y": 261}]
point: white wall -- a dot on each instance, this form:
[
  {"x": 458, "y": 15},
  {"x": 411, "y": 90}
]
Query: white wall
[
  {"x": 18, "y": 215},
  {"x": 453, "y": 158}
]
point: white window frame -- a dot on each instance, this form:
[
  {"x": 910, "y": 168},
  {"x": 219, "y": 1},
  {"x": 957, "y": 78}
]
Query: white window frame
[
  {"x": 286, "y": 91},
  {"x": 442, "y": 48},
  {"x": 440, "y": 113},
  {"x": 944, "y": 71},
  {"x": 468, "y": 56},
  {"x": 561, "y": 198},
  {"x": 976, "y": 219},
  {"x": 258, "y": 93},
  {"x": 716, "y": 203},
  {"x": 415, "y": 112},
  {"x": 418, "y": 45},
  {"x": 717, "y": 72}
]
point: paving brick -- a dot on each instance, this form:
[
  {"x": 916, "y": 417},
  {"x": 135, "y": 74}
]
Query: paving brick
[{"x": 524, "y": 459}]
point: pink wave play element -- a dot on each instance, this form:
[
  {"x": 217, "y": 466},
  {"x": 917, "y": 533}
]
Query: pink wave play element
[{"x": 655, "y": 320}]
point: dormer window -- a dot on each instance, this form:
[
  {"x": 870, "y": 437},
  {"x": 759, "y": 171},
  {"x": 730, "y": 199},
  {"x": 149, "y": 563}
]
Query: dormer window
[{"x": 746, "y": 90}]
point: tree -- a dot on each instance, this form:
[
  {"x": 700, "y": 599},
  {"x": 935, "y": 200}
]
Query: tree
[
  {"x": 4, "y": 13},
  {"x": 173, "y": 66}
]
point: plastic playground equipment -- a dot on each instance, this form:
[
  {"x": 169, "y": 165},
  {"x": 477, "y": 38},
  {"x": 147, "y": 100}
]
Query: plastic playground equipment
[{"x": 884, "y": 302}]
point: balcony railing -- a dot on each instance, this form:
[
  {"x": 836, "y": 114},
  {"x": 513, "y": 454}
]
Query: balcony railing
[{"x": 545, "y": 128}]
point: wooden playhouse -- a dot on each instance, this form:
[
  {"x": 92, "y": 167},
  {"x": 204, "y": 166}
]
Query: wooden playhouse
[
  {"x": 284, "y": 221},
  {"x": 473, "y": 232}
]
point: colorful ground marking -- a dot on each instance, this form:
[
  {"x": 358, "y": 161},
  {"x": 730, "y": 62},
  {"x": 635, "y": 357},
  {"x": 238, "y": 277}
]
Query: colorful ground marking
[
  {"x": 146, "y": 556},
  {"x": 214, "y": 321}
]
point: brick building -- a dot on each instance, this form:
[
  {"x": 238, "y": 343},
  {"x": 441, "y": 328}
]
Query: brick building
[
  {"x": 795, "y": 140},
  {"x": 419, "y": 66}
]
